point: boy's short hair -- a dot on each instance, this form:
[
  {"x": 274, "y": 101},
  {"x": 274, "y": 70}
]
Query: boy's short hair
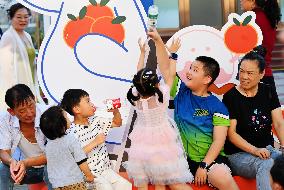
[
  {"x": 72, "y": 98},
  {"x": 277, "y": 171},
  {"x": 53, "y": 124},
  {"x": 17, "y": 95},
  {"x": 210, "y": 66}
]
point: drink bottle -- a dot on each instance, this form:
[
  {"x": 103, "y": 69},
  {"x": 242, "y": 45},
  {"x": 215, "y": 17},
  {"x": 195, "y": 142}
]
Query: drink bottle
[{"x": 153, "y": 13}]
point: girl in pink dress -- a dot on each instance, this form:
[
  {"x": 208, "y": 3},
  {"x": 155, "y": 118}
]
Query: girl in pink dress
[{"x": 156, "y": 154}]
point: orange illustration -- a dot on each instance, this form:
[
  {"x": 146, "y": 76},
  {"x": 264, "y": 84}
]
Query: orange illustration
[
  {"x": 72, "y": 32},
  {"x": 241, "y": 37},
  {"x": 99, "y": 11},
  {"x": 105, "y": 26},
  {"x": 94, "y": 18}
]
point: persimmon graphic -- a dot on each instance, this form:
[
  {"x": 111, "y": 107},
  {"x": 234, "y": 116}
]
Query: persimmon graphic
[
  {"x": 72, "y": 32},
  {"x": 99, "y": 10},
  {"x": 77, "y": 27},
  {"x": 241, "y": 38},
  {"x": 110, "y": 27},
  {"x": 94, "y": 18}
]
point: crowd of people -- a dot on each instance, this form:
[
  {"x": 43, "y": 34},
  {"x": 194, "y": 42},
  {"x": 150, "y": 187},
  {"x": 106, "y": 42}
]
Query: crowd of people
[{"x": 208, "y": 142}]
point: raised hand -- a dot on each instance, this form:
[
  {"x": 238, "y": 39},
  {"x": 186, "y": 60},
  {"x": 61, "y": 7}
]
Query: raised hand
[
  {"x": 175, "y": 45},
  {"x": 154, "y": 35},
  {"x": 142, "y": 45}
]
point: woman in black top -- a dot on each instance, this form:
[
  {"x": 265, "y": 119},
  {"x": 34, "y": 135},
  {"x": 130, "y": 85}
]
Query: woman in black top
[{"x": 253, "y": 107}]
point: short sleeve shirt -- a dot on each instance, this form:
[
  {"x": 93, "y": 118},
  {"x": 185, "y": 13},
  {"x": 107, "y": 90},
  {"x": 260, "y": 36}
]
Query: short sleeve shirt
[
  {"x": 253, "y": 115},
  {"x": 196, "y": 117},
  {"x": 98, "y": 159},
  {"x": 62, "y": 156},
  {"x": 10, "y": 133}
]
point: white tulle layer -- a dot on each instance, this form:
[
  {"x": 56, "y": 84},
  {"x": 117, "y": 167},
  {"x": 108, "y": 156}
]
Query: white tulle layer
[
  {"x": 156, "y": 156},
  {"x": 164, "y": 173}
]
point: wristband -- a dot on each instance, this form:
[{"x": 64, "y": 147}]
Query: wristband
[
  {"x": 174, "y": 56},
  {"x": 204, "y": 165}
]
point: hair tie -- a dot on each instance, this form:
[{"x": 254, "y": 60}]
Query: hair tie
[{"x": 134, "y": 90}]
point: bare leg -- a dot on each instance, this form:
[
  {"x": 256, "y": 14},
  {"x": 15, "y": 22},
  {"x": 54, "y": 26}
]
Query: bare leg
[
  {"x": 220, "y": 177},
  {"x": 160, "y": 187},
  {"x": 143, "y": 187},
  {"x": 180, "y": 186}
]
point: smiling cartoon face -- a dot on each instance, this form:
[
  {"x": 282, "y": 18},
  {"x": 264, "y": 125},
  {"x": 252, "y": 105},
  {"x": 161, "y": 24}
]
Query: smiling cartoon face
[
  {"x": 204, "y": 40},
  {"x": 225, "y": 46}
]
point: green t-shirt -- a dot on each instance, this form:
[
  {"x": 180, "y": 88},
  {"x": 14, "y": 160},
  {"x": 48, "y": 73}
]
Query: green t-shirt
[{"x": 196, "y": 117}]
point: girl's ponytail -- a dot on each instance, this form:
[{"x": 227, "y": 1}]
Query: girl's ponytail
[
  {"x": 131, "y": 97},
  {"x": 145, "y": 82},
  {"x": 160, "y": 94}
]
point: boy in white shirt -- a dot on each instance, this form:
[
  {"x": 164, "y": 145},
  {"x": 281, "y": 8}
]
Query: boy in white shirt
[{"x": 91, "y": 130}]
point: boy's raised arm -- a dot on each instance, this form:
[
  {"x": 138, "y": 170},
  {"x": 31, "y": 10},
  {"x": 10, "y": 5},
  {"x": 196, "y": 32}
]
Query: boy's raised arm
[
  {"x": 173, "y": 60},
  {"x": 166, "y": 66}
]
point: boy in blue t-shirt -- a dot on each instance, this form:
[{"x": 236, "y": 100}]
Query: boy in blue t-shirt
[{"x": 203, "y": 122}]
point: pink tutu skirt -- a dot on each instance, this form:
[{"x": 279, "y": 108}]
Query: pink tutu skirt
[{"x": 156, "y": 156}]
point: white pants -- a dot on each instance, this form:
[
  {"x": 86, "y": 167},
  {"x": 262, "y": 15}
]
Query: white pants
[{"x": 110, "y": 180}]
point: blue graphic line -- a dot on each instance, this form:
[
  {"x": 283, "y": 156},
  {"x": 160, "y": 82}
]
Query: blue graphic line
[
  {"x": 115, "y": 11},
  {"x": 75, "y": 51},
  {"x": 108, "y": 142},
  {"x": 92, "y": 72},
  {"x": 41, "y": 8},
  {"x": 140, "y": 14},
  {"x": 116, "y": 14},
  {"x": 44, "y": 53}
]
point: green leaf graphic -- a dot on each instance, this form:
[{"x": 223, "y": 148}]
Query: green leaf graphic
[
  {"x": 71, "y": 17},
  {"x": 247, "y": 20},
  {"x": 104, "y": 2},
  {"x": 93, "y": 2},
  {"x": 118, "y": 20},
  {"x": 82, "y": 12},
  {"x": 236, "y": 22}
]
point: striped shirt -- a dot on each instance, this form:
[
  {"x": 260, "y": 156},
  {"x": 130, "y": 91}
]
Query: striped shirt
[{"x": 98, "y": 159}]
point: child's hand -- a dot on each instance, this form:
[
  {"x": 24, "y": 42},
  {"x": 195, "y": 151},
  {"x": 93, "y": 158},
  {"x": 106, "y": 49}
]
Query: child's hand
[
  {"x": 113, "y": 110},
  {"x": 200, "y": 177},
  {"x": 100, "y": 139},
  {"x": 90, "y": 178},
  {"x": 154, "y": 35},
  {"x": 142, "y": 46},
  {"x": 174, "y": 47},
  {"x": 117, "y": 120}
]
